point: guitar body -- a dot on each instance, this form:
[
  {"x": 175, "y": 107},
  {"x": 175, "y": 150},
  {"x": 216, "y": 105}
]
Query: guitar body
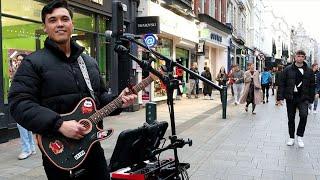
[{"x": 68, "y": 153}]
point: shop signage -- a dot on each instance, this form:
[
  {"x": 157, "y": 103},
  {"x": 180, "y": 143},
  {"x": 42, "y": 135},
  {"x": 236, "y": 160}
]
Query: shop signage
[
  {"x": 200, "y": 49},
  {"x": 98, "y": 1},
  {"x": 216, "y": 37},
  {"x": 148, "y": 24},
  {"x": 212, "y": 36}
]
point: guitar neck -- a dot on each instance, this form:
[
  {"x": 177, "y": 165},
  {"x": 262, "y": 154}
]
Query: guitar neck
[{"x": 117, "y": 103}]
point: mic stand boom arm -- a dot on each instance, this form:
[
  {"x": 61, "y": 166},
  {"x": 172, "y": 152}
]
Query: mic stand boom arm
[
  {"x": 167, "y": 60},
  {"x": 168, "y": 80}
]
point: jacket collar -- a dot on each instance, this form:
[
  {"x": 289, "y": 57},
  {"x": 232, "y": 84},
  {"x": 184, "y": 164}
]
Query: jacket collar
[
  {"x": 76, "y": 50},
  {"x": 304, "y": 65}
]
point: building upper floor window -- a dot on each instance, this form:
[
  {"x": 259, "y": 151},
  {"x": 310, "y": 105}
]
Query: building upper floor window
[{"x": 28, "y": 9}]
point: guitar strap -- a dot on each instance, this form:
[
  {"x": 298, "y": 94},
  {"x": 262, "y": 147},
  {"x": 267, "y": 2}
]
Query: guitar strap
[{"x": 86, "y": 77}]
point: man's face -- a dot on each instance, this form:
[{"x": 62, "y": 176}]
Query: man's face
[
  {"x": 251, "y": 67},
  {"x": 315, "y": 68},
  {"x": 58, "y": 25},
  {"x": 299, "y": 58}
]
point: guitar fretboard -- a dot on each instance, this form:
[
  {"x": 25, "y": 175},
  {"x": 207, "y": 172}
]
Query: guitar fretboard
[{"x": 117, "y": 103}]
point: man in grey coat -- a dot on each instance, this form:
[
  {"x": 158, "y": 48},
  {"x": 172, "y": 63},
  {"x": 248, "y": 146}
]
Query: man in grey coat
[{"x": 238, "y": 77}]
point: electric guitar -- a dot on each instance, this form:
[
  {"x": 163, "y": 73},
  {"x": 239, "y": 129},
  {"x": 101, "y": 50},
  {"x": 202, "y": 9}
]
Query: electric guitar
[{"x": 67, "y": 153}]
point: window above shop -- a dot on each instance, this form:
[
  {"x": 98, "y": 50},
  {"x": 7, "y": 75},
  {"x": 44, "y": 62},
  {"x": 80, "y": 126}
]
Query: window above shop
[{"x": 28, "y": 9}]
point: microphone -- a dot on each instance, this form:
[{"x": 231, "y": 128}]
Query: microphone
[
  {"x": 120, "y": 49},
  {"x": 109, "y": 35}
]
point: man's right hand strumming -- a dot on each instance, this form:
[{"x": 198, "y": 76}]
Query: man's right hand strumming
[{"x": 72, "y": 129}]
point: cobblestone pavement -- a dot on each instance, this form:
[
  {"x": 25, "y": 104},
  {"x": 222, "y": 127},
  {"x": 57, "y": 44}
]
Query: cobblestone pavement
[{"x": 243, "y": 146}]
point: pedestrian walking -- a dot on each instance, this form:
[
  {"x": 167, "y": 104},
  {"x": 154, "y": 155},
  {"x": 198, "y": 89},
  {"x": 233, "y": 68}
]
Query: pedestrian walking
[
  {"x": 252, "y": 88},
  {"x": 277, "y": 82},
  {"x": 315, "y": 69},
  {"x": 297, "y": 87},
  {"x": 273, "y": 74},
  {"x": 266, "y": 80},
  {"x": 49, "y": 83},
  {"x": 231, "y": 80},
  {"x": 207, "y": 89},
  {"x": 179, "y": 76},
  {"x": 28, "y": 147},
  {"x": 222, "y": 77},
  {"x": 238, "y": 77},
  {"x": 193, "y": 80}
]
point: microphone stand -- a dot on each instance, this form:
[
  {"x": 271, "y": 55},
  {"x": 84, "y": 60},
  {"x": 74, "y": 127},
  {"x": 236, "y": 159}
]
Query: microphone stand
[{"x": 170, "y": 82}]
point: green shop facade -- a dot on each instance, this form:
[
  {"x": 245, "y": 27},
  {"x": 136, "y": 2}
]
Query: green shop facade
[{"x": 22, "y": 33}]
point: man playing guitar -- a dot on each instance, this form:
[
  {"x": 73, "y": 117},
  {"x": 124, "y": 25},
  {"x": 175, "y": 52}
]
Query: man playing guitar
[{"x": 50, "y": 82}]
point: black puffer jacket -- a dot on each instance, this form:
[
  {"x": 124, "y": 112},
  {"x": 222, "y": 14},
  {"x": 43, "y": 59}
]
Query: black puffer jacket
[
  {"x": 287, "y": 84},
  {"x": 47, "y": 84}
]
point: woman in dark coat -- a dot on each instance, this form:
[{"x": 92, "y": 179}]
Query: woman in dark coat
[
  {"x": 277, "y": 82},
  {"x": 222, "y": 77},
  {"x": 207, "y": 89}
]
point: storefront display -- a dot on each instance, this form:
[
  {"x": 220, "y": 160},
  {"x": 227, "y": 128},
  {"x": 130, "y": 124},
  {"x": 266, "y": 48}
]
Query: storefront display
[
  {"x": 17, "y": 37},
  {"x": 182, "y": 57},
  {"x": 165, "y": 48}
]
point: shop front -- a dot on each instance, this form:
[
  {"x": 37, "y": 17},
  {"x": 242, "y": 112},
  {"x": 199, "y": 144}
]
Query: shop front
[
  {"x": 177, "y": 40},
  {"x": 22, "y": 33},
  {"x": 215, "y": 51}
]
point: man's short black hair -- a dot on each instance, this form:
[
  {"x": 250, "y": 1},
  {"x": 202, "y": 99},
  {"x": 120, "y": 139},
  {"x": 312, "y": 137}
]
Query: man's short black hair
[
  {"x": 48, "y": 9},
  {"x": 301, "y": 52}
]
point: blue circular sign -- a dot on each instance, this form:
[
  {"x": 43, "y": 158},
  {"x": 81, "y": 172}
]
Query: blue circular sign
[{"x": 150, "y": 40}]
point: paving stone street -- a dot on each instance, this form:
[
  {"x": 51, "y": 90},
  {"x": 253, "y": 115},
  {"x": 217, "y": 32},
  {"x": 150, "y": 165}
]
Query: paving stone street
[{"x": 243, "y": 146}]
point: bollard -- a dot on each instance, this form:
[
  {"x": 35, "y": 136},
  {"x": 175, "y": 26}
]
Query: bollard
[
  {"x": 151, "y": 112},
  {"x": 224, "y": 102}
]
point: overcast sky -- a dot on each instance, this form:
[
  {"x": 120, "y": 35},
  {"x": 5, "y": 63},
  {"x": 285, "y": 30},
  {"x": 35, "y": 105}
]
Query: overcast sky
[{"x": 295, "y": 11}]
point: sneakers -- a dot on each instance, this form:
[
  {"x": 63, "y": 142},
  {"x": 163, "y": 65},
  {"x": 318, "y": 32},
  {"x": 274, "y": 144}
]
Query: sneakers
[
  {"x": 315, "y": 112},
  {"x": 290, "y": 142},
  {"x": 300, "y": 142},
  {"x": 24, "y": 155}
]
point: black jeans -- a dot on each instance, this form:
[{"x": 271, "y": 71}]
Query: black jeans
[
  {"x": 302, "y": 106},
  {"x": 93, "y": 167},
  {"x": 265, "y": 90}
]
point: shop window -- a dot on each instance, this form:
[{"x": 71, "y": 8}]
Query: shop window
[
  {"x": 102, "y": 53},
  {"x": 84, "y": 20},
  {"x": 18, "y": 37},
  {"x": 164, "y": 47},
  {"x": 183, "y": 58}
]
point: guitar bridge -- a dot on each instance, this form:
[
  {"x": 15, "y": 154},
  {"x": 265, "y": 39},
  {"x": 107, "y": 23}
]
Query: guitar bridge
[{"x": 102, "y": 134}]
